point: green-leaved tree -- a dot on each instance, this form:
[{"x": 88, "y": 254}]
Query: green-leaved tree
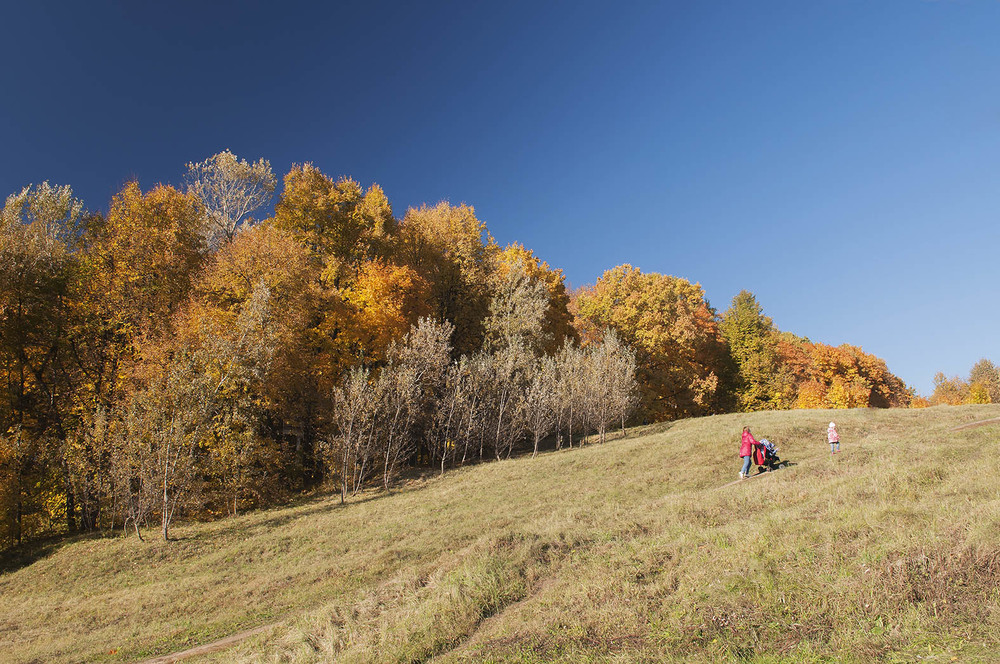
[{"x": 753, "y": 345}]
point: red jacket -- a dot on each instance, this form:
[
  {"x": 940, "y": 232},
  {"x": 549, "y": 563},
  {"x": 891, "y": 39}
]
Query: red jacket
[{"x": 748, "y": 444}]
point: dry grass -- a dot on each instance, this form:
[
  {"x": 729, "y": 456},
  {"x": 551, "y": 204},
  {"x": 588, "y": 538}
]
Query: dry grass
[{"x": 624, "y": 552}]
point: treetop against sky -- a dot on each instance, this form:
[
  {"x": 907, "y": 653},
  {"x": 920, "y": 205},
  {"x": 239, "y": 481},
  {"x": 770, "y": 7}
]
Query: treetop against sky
[{"x": 835, "y": 159}]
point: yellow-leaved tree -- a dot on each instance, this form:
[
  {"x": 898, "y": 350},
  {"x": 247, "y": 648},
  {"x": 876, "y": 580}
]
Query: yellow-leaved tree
[
  {"x": 336, "y": 220},
  {"x": 681, "y": 357},
  {"x": 36, "y": 373},
  {"x": 445, "y": 245}
]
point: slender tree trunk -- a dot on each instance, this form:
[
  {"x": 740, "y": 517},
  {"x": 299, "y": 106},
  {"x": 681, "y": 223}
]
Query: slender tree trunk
[
  {"x": 388, "y": 447},
  {"x": 18, "y": 514},
  {"x": 482, "y": 442},
  {"x": 569, "y": 425},
  {"x": 343, "y": 466},
  {"x": 496, "y": 439},
  {"x": 135, "y": 524},
  {"x": 385, "y": 474},
  {"x": 360, "y": 474},
  {"x": 558, "y": 428},
  {"x": 388, "y": 454},
  {"x": 469, "y": 432},
  {"x": 70, "y": 498},
  {"x": 343, "y": 473},
  {"x": 114, "y": 508},
  {"x": 165, "y": 514},
  {"x": 447, "y": 432}
]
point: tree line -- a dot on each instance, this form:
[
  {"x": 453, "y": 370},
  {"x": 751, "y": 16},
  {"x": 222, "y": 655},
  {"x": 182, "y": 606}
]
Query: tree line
[
  {"x": 981, "y": 386},
  {"x": 173, "y": 355}
]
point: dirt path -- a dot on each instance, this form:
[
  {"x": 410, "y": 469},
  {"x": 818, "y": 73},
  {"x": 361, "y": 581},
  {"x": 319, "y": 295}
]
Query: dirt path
[
  {"x": 747, "y": 479},
  {"x": 209, "y": 648},
  {"x": 980, "y": 423}
]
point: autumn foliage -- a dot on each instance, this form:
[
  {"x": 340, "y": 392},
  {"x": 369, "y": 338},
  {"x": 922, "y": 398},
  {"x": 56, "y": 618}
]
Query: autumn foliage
[
  {"x": 681, "y": 354},
  {"x": 176, "y": 357},
  {"x": 981, "y": 386},
  {"x": 781, "y": 370}
]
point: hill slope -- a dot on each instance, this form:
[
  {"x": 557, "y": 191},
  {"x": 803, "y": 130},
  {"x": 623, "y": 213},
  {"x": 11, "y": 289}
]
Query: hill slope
[{"x": 627, "y": 551}]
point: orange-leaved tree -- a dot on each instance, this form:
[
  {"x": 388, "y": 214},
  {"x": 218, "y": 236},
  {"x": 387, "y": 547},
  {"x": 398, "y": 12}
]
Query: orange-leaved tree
[
  {"x": 287, "y": 395},
  {"x": 824, "y": 376},
  {"x": 681, "y": 357}
]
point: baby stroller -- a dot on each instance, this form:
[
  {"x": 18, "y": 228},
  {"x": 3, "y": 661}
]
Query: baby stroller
[{"x": 766, "y": 457}]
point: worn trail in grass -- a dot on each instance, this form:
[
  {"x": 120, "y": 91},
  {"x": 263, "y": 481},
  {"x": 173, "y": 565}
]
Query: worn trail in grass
[{"x": 626, "y": 551}]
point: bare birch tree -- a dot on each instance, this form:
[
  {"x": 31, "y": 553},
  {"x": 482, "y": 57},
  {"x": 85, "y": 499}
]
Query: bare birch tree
[
  {"x": 623, "y": 388},
  {"x": 514, "y": 335},
  {"x": 396, "y": 389},
  {"x": 474, "y": 405},
  {"x": 540, "y": 401},
  {"x": 230, "y": 189},
  {"x": 600, "y": 406},
  {"x": 609, "y": 384},
  {"x": 163, "y": 424},
  {"x": 415, "y": 378},
  {"x": 132, "y": 466},
  {"x": 353, "y": 414},
  {"x": 569, "y": 384},
  {"x": 426, "y": 351},
  {"x": 446, "y": 419}
]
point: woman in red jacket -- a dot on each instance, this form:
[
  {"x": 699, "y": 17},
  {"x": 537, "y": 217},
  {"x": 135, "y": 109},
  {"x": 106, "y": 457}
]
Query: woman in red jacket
[{"x": 747, "y": 445}]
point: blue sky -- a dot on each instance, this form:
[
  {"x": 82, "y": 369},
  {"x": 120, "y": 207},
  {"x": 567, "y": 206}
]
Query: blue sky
[{"x": 838, "y": 159}]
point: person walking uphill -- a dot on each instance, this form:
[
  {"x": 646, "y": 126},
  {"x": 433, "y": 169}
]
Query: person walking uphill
[
  {"x": 747, "y": 445},
  {"x": 833, "y": 437}
]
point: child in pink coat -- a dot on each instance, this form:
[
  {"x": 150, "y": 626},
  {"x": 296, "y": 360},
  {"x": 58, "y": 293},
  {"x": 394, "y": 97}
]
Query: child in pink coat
[{"x": 833, "y": 437}]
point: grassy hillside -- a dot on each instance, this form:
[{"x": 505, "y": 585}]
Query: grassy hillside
[{"x": 627, "y": 551}]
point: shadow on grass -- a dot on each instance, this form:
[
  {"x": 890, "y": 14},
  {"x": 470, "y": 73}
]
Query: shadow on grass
[
  {"x": 761, "y": 470},
  {"x": 305, "y": 506},
  {"x": 28, "y": 553},
  {"x": 412, "y": 479}
]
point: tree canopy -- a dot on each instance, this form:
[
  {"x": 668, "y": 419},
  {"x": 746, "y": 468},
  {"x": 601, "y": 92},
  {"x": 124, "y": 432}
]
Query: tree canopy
[{"x": 177, "y": 356}]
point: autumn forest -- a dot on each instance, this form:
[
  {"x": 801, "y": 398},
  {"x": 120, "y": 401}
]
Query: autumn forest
[{"x": 177, "y": 357}]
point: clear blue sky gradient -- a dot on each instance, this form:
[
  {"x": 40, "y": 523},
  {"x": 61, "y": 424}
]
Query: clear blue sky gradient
[{"x": 838, "y": 159}]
